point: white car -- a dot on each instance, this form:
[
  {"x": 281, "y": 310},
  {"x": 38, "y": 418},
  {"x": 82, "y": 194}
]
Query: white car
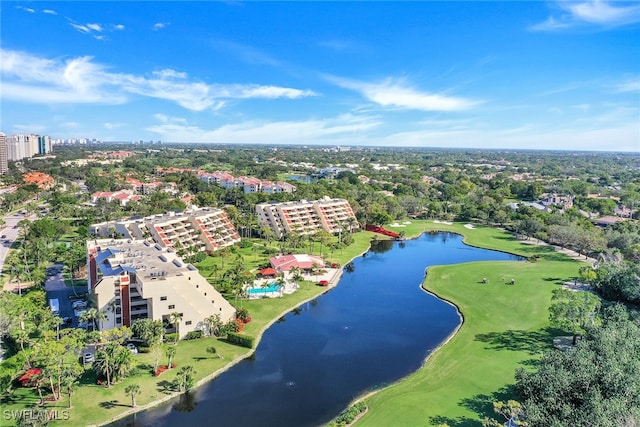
[
  {"x": 79, "y": 304},
  {"x": 132, "y": 348},
  {"x": 88, "y": 358}
]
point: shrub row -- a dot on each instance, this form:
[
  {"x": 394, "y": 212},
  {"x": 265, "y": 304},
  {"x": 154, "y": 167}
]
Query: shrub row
[
  {"x": 241, "y": 340},
  {"x": 349, "y": 415},
  {"x": 194, "y": 335}
]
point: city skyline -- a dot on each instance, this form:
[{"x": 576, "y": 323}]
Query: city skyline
[{"x": 520, "y": 75}]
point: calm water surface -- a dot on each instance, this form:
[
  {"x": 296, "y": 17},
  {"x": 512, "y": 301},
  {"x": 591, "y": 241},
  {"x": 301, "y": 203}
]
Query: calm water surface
[{"x": 374, "y": 328}]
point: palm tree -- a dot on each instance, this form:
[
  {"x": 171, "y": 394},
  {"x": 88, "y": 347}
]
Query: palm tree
[
  {"x": 171, "y": 353},
  {"x": 99, "y": 317},
  {"x": 213, "y": 324},
  {"x": 104, "y": 362},
  {"x": 185, "y": 378},
  {"x": 175, "y": 318},
  {"x": 212, "y": 350},
  {"x": 132, "y": 390}
]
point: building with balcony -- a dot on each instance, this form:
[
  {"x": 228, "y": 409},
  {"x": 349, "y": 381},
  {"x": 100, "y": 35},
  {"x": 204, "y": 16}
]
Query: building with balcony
[
  {"x": 198, "y": 229},
  {"x": 136, "y": 279},
  {"x": 307, "y": 216},
  {"x": 248, "y": 184}
]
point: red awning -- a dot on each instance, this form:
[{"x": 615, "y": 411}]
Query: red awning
[{"x": 268, "y": 271}]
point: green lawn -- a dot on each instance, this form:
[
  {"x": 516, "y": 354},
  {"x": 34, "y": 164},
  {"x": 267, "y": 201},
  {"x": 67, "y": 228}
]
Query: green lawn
[
  {"x": 93, "y": 404},
  {"x": 505, "y": 327}
]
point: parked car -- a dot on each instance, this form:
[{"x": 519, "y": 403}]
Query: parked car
[
  {"x": 79, "y": 304},
  {"x": 132, "y": 348},
  {"x": 88, "y": 358}
]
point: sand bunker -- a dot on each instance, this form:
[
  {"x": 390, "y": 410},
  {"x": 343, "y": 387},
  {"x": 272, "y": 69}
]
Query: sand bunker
[
  {"x": 469, "y": 226},
  {"x": 443, "y": 222}
]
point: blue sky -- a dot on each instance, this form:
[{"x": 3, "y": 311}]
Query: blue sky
[{"x": 534, "y": 75}]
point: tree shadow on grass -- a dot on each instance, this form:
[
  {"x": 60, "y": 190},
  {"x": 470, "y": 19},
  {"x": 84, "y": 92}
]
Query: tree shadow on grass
[
  {"x": 533, "y": 342},
  {"x": 532, "y": 363},
  {"x": 453, "y": 422},
  {"x": 110, "y": 404},
  {"x": 482, "y": 404},
  {"x": 548, "y": 253},
  {"x": 165, "y": 387},
  {"x": 199, "y": 358}
]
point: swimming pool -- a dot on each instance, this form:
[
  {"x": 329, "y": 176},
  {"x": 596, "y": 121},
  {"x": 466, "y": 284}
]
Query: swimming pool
[{"x": 273, "y": 287}]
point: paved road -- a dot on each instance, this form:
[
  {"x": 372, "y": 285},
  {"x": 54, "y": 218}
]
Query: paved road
[
  {"x": 9, "y": 233},
  {"x": 55, "y": 288}
]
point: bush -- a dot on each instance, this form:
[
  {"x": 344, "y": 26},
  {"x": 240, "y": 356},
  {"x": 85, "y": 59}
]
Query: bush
[
  {"x": 171, "y": 338},
  {"x": 241, "y": 340},
  {"x": 143, "y": 349},
  {"x": 348, "y": 416},
  {"x": 245, "y": 244},
  {"x": 194, "y": 335},
  {"x": 242, "y": 314}
]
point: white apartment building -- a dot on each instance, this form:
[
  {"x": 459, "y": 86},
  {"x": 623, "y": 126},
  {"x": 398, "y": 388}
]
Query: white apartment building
[
  {"x": 205, "y": 229},
  {"x": 248, "y": 184},
  {"x": 306, "y": 216},
  {"x": 4, "y": 163},
  {"x": 136, "y": 279}
]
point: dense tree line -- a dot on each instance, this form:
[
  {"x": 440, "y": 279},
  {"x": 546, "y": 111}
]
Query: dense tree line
[{"x": 597, "y": 383}]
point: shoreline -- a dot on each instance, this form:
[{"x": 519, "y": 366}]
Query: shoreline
[
  {"x": 333, "y": 282},
  {"x": 362, "y": 398}
]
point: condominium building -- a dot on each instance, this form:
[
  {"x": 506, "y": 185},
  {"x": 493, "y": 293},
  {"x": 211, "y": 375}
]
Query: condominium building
[
  {"x": 4, "y": 163},
  {"x": 306, "y": 216},
  {"x": 248, "y": 184},
  {"x": 136, "y": 279},
  {"x": 199, "y": 229}
]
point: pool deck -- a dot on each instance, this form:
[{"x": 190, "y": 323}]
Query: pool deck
[{"x": 332, "y": 275}]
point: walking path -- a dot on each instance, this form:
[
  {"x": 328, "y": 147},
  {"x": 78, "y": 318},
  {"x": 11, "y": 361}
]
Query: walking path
[{"x": 570, "y": 253}]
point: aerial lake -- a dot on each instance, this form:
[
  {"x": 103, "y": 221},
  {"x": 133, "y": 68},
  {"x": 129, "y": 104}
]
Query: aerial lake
[{"x": 376, "y": 327}]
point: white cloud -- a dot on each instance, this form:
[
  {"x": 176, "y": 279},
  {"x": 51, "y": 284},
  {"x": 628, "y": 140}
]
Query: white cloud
[
  {"x": 95, "y": 27},
  {"x": 112, "y": 126},
  {"x": 118, "y": 27},
  {"x": 620, "y": 137},
  {"x": 169, "y": 74},
  {"x": 343, "y": 128},
  {"x": 81, "y": 28},
  {"x": 32, "y": 79},
  {"x": 50, "y": 12},
  {"x": 159, "y": 25},
  {"x": 631, "y": 85},
  {"x": 592, "y": 12},
  {"x": 268, "y": 92},
  {"x": 394, "y": 93},
  {"x": 26, "y": 9}
]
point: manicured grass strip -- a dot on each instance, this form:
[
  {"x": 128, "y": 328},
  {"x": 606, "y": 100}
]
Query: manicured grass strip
[
  {"x": 506, "y": 326},
  {"x": 93, "y": 404}
]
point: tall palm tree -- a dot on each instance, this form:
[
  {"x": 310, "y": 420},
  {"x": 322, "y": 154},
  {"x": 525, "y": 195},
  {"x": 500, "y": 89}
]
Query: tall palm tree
[
  {"x": 133, "y": 390},
  {"x": 171, "y": 353},
  {"x": 213, "y": 324},
  {"x": 175, "y": 318}
]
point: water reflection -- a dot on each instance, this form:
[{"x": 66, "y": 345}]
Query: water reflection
[{"x": 374, "y": 328}]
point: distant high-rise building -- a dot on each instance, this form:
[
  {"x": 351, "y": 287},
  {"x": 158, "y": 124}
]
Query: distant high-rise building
[
  {"x": 4, "y": 164},
  {"x": 44, "y": 144}
]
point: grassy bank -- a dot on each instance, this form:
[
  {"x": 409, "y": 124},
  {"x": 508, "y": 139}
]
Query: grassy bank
[
  {"x": 94, "y": 404},
  {"x": 505, "y": 327}
]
